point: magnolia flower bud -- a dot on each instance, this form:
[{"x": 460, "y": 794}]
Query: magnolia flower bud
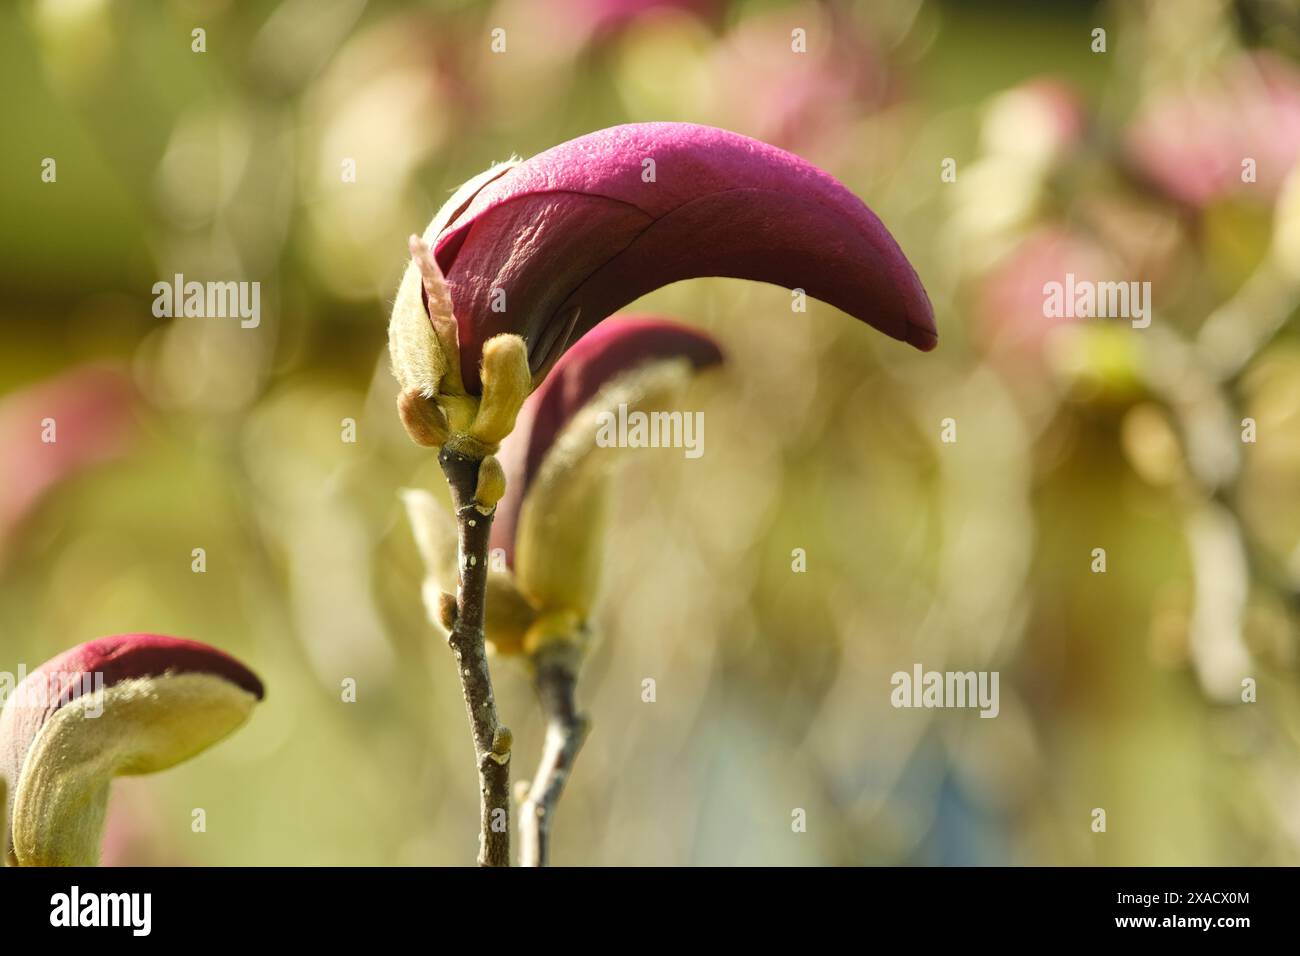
[
  {"x": 506, "y": 383},
  {"x": 551, "y": 523},
  {"x": 544, "y": 250},
  {"x": 116, "y": 706},
  {"x": 491, "y": 483},
  {"x": 445, "y": 611},
  {"x": 423, "y": 419}
]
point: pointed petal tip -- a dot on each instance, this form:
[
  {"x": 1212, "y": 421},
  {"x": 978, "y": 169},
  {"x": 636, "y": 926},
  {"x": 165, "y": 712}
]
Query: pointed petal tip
[{"x": 924, "y": 339}]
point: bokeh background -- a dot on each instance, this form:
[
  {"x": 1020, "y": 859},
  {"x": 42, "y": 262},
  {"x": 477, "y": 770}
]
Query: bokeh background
[{"x": 1119, "y": 691}]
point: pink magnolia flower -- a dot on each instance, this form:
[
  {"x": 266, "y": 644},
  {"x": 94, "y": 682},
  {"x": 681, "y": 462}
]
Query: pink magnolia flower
[
  {"x": 1191, "y": 144},
  {"x": 549, "y": 247},
  {"x": 130, "y": 704}
]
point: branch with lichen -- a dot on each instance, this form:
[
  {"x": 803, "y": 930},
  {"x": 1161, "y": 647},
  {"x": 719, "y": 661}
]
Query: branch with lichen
[
  {"x": 463, "y": 619},
  {"x": 438, "y": 412}
]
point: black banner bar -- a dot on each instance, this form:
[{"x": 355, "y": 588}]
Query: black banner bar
[{"x": 335, "y": 905}]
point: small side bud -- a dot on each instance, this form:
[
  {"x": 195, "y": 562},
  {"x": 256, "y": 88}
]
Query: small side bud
[
  {"x": 501, "y": 743},
  {"x": 447, "y": 610},
  {"x": 506, "y": 383},
  {"x": 422, "y": 418},
  {"x": 491, "y": 483},
  {"x": 502, "y": 740}
]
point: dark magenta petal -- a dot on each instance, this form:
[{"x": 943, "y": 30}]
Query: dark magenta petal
[
  {"x": 617, "y": 346},
  {"x": 579, "y": 226},
  {"x": 129, "y": 656}
]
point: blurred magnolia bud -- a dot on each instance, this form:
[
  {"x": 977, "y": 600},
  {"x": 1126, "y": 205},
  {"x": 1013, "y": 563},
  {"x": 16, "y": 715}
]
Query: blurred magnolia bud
[
  {"x": 508, "y": 614},
  {"x": 1286, "y": 228},
  {"x": 551, "y": 522}
]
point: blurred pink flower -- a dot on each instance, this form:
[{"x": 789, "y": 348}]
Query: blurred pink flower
[
  {"x": 1191, "y": 145},
  {"x": 804, "y": 101},
  {"x": 551, "y": 246},
  {"x": 598, "y": 19},
  {"x": 132, "y": 834},
  {"x": 88, "y": 412},
  {"x": 1011, "y": 319}
]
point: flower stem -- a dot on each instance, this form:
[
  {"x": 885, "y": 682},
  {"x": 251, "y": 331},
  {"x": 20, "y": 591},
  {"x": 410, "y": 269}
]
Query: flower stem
[
  {"x": 491, "y": 740},
  {"x": 556, "y": 673}
]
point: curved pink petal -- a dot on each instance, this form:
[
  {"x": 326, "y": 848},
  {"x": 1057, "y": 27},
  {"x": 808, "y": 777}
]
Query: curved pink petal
[
  {"x": 579, "y": 226},
  {"x": 617, "y": 346},
  {"x": 126, "y": 656}
]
